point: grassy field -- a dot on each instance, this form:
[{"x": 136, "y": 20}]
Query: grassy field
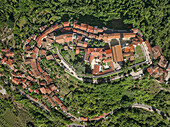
[{"x": 138, "y": 49}]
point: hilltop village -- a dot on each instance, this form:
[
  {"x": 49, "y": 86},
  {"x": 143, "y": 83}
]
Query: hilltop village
[{"x": 111, "y": 50}]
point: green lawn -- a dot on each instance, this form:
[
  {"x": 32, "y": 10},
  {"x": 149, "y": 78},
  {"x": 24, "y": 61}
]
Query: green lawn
[
  {"x": 139, "y": 60},
  {"x": 138, "y": 49}
]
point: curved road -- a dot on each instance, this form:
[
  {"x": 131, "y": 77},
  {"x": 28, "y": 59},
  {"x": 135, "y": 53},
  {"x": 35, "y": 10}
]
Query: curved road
[{"x": 135, "y": 105}]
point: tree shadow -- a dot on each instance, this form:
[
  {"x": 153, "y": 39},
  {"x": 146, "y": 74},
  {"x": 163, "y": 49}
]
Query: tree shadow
[{"x": 116, "y": 24}]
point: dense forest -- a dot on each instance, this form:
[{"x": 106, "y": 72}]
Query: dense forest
[
  {"x": 150, "y": 16},
  {"x": 95, "y": 99},
  {"x": 132, "y": 118}
]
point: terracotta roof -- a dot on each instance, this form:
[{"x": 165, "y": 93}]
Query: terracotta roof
[
  {"x": 83, "y": 119},
  {"x": 132, "y": 58},
  {"x": 107, "y": 60},
  {"x": 63, "y": 108},
  {"x": 43, "y": 91},
  {"x": 50, "y": 57},
  {"x": 90, "y": 29},
  {"x": 77, "y": 50},
  {"x": 43, "y": 83},
  {"x": 96, "y": 69},
  {"x": 24, "y": 80},
  {"x": 117, "y": 52},
  {"x": 31, "y": 73},
  {"x": 126, "y": 54},
  {"x": 77, "y": 26},
  {"x": 48, "y": 79},
  {"x": 29, "y": 78},
  {"x": 157, "y": 51},
  {"x": 57, "y": 100},
  {"x": 48, "y": 90},
  {"x": 28, "y": 40},
  {"x": 127, "y": 35},
  {"x": 30, "y": 90},
  {"x": 55, "y": 27},
  {"x": 53, "y": 87},
  {"x": 36, "y": 91},
  {"x": 39, "y": 67},
  {"x": 82, "y": 45},
  {"x": 16, "y": 81},
  {"x": 100, "y": 30},
  {"x": 131, "y": 48},
  {"x": 69, "y": 37},
  {"x": 65, "y": 47},
  {"x": 108, "y": 51},
  {"x": 135, "y": 30},
  {"x": 150, "y": 70},
  {"x": 27, "y": 47},
  {"x": 126, "y": 50},
  {"x": 65, "y": 24},
  {"x": 5, "y": 50},
  {"x": 83, "y": 26},
  {"x": 113, "y": 35},
  {"x": 10, "y": 54}
]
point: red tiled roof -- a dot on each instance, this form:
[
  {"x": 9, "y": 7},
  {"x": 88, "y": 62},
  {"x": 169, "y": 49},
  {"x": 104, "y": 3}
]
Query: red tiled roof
[
  {"x": 113, "y": 35},
  {"x": 131, "y": 48},
  {"x": 96, "y": 69},
  {"x": 48, "y": 79},
  {"x": 82, "y": 45},
  {"x": 63, "y": 108},
  {"x": 39, "y": 67},
  {"x": 27, "y": 47},
  {"x": 150, "y": 70},
  {"x": 43, "y": 91},
  {"x": 100, "y": 30},
  {"x": 16, "y": 81},
  {"x": 5, "y": 50},
  {"x": 69, "y": 37},
  {"x": 55, "y": 27},
  {"x": 84, "y": 119},
  {"x": 36, "y": 91},
  {"x": 126, "y": 54},
  {"x": 48, "y": 90},
  {"x": 126, "y": 50},
  {"x": 28, "y": 40},
  {"x": 83, "y": 26},
  {"x": 77, "y": 50},
  {"x": 126, "y": 35},
  {"x": 29, "y": 78},
  {"x": 50, "y": 57},
  {"x": 65, "y": 24},
  {"x": 108, "y": 51},
  {"x": 107, "y": 60},
  {"x": 132, "y": 58},
  {"x": 156, "y": 49},
  {"x": 90, "y": 29},
  {"x": 53, "y": 87},
  {"x": 30, "y": 90},
  {"x": 117, "y": 52},
  {"x": 57, "y": 100},
  {"x": 43, "y": 83},
  {"x": 10, "y": 54}
]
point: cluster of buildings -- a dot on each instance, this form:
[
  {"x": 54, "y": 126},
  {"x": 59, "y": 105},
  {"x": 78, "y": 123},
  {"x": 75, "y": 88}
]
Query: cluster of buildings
[
  {"x": 118, "y": 47},
  {"x": 161, "y": 71},
  {"x": 7, "y": 58}
]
